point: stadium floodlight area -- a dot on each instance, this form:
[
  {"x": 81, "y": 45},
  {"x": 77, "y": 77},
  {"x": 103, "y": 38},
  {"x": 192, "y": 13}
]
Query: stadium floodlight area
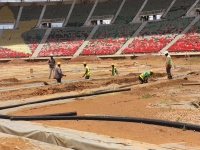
[
  {"x": 6, "y": 26},
  {"x": 154, "y": 17},
  {"x": 150, "y": 15},
  {"x": 51, "y": 23},
  {"x": 100, "y": 20},
  {"x": 56, "y": 25}
]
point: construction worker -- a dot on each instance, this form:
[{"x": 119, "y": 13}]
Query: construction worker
[
  {"x": 168, "y": 64},
  {"x": 58, "y": 73},
  {"x": 52, "y": 64},
  {"x": 114, "y": 71},
  {"x": 143, "y": 78},
  {"x": 87, "y": 71}
]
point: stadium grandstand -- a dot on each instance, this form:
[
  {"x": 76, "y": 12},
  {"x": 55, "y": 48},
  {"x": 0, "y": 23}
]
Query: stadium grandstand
[{"x": 69, "y": 28}]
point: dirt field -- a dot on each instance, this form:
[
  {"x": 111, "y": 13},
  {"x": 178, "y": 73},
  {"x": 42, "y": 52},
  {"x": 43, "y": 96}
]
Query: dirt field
[
  {"x": 15, "y": 144},
  {"x": 159, "y": 99}
]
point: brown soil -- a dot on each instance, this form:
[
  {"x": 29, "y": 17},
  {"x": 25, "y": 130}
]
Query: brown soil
[
  {"x": 157, "y": 87},
  {"x": 14, "y": 143},
  {"x": 85, "y": 59},
  {"x": 155, "y": 75},
  {"x": 16, "y": 61},
  {"x": 60, "y": 60},
  {"x": 15, "y": 82},
  {"x": 183, "y": 70},
  {"x": 150, "y": 57},
  {"x": 120, "y": 81},
  {"x": 133, "y": 74},
  {"x": 9, "y": 80},
  {"x": 131, "y": 103},
  {"x": 52, "y": 89},
  {"x": 108, "y": 59},
  {"x": 158, "y": 75}
]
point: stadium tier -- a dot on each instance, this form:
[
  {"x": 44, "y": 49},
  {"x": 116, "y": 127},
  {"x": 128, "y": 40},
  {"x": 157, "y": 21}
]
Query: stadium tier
[
  {"x": 7, "y": 53},
  {"x": 6, "y": 14},
  {"x": 79, "y": 14},
  {"x": 33, "y": 37},
  {"x": 31, "y": 13},
  {"x": 156, "y": 35},
  {"x": 189, "y": 42},
  {"x": 65, "y": 41},
  {"x": 128, "y": 11},
  {"x": 180, "y": 8},
  {"x": 12, "y": 42},
  {"x": 108, "y": 39},
  {"x": 56, "y": 11},
  {"x": 107, "y": 8},
  {"x": 15, "y": 10},
  {"x": 157, "y": 5}
]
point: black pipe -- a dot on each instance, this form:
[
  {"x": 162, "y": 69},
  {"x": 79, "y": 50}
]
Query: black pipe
[
  {"x": 4, "y": 117},
  {"x": 58, "y": 114},
  {"x": 65, "y": 97},
  {"x": 116, "y": 118}
]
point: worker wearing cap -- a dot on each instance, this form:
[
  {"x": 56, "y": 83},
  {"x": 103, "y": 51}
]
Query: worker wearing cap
[
  {"x": 168, "y": 64},
  {"x": 52, "y": 64},
  {"x": 143, "y": 78},
  {"x": 87, "y": 71},
  {"x": 58, "y": 73},
  {"x": 114, "y": 71}
]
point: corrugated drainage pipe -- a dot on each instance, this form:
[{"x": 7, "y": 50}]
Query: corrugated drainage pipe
[
  {"x": 116, "y": 118},
  {"x": 65, "y": 97}
]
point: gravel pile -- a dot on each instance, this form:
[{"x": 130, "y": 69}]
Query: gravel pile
[{"x": 185, "y": 116}]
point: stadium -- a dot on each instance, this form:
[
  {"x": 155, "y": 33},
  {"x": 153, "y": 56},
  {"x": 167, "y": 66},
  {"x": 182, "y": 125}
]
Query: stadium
[{"x": 116, "y": 43}]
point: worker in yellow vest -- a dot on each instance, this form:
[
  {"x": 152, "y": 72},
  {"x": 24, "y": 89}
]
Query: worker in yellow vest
[
  {"x": 168, "y": 64},
  {"x": 87, "y": 71},
  {"x": 114, "y": 71},
  {"x": 143, "y": 78}
]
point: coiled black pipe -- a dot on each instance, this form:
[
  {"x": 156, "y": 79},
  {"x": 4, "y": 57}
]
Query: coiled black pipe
[
  {"x": 65, "y": 97},
  {"x": 116, "y": 118},
  {"x": 57, "y": 114}
]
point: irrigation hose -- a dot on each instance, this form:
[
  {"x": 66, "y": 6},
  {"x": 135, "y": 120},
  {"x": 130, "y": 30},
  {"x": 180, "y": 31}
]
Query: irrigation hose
[
  {"x": 116, "y": 118},
  {"x": 65, "y": 97},
  {"x": 57, "y": 114}
]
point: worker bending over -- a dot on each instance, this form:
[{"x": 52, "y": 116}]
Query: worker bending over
[
  {"x": 87, "y": 71},
  {"x": 58, "y": 73},
  {"x": 114, "y": 71},
  {"x": 143, "y": 78}
]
